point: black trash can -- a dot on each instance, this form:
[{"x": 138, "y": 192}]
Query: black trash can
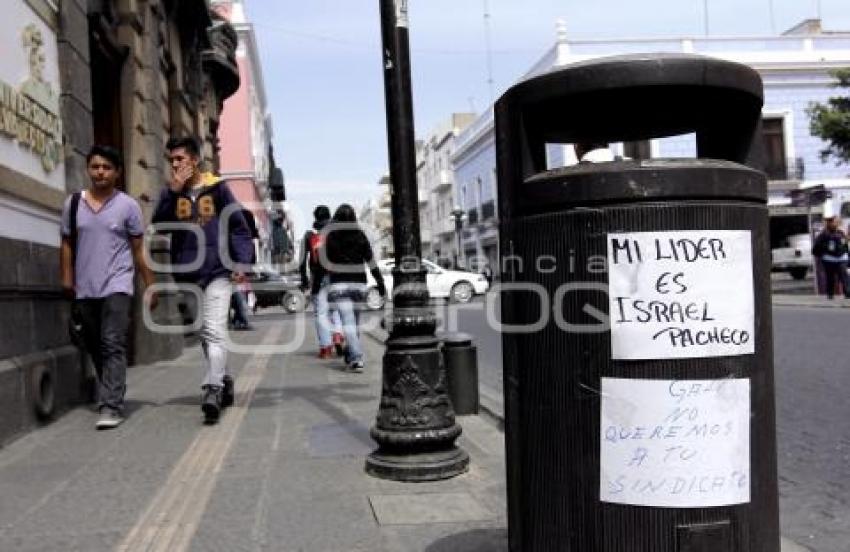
[
  {"x": 636, "y": 315},
  {"x": 461, "y": 359}
]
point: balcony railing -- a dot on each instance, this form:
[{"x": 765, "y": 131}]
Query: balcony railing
[{"x": 444, "y": 181}]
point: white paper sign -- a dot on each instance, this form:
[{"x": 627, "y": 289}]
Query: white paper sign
[
  {"x": 680, "y": 294},
  {"x": 677, "y": 444}
]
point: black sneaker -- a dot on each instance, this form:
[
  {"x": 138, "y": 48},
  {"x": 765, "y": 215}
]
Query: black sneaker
[
  {"x": 227, "y": 392},
  {"x": 211, "y": 403},
  {"x": 356, "y": 367}
]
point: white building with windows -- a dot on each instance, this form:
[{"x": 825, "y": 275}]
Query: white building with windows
[
  {"x": 794, "y": 66},
  {"x": 435, "y": 179},
  {"x": 376, "y": 219}
]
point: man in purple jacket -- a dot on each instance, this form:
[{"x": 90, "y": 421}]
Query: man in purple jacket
[{"x": 201, "y": 199}]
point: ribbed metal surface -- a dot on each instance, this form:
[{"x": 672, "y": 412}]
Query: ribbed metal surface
[{"x": 552, "y": 382}]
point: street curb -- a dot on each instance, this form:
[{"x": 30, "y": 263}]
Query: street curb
[
  {"x": 815, "y": 302},
  {"x": 491, "y": 407},
  {"x": 787, "y": 545}
]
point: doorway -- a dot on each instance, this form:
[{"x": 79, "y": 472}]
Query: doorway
[{"x": 107, "y": 59}]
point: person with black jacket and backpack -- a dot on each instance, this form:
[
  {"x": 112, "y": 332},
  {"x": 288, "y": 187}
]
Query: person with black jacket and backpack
[
  {"x": 348, "y": 255},
  {"x": 831, "y": 248},
  {"x": 315, "y": 277},
  {"x": 102, "y": 246}
]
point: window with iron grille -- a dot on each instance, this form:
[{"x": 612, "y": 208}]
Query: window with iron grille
[
  {"x": 488, "y": 210},
  {"x": 773, "y": 138}
]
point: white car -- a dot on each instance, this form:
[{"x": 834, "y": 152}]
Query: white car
[
  {"x": 457, "y": 285},
  {"x": 794, "y": 257}
]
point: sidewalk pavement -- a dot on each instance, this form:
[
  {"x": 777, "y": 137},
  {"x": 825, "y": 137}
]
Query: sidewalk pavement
[{"x": 282, "y": 471}]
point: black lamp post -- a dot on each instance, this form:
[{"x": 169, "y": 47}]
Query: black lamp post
[
  {"x": 415, "y": 427},
  {"x": 458, "y": 215}
]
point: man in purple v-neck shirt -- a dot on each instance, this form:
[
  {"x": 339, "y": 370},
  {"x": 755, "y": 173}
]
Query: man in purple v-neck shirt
[{"x": 98, "y": 261}]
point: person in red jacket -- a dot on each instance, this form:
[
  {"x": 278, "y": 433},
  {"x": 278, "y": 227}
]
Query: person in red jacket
[{"x": 314, "y": 277}]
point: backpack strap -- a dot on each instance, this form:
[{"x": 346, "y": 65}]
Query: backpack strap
[{"x": 72, "y": 220}]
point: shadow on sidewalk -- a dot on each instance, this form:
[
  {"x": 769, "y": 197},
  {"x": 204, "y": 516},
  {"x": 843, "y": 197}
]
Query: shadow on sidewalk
[
  {"x": 477, "y": 540},
  {"x": 132, "y": 405},
  {"x": 321, "y": 397}
]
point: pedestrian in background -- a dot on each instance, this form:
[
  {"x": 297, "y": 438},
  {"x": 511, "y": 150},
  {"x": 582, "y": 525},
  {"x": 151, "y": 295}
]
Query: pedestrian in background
[
  {"x": 315, "y": 277},
  {"x": 348, "y": 255},
  {"x": 102, "y": 243},
  {"x": 200, "y": 199},
  {"x": 831, "y": 249},
  {"x": 240, "y": 307}
]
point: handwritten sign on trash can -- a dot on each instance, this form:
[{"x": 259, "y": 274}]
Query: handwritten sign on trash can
[
  {"x": 677, "y": 444},
  {"x": 680, "y": 294}
]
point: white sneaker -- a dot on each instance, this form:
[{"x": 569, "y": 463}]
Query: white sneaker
[{"x": 109, "y": 418}]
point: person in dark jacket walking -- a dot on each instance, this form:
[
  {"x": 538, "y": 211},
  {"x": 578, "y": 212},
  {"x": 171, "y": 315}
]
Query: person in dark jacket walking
[
  {"x": 315, "y": 277},
  {"x": 831, "y": 248},
  {"x": 348, "y": 253},
  {"x": 199, "y": 200}
]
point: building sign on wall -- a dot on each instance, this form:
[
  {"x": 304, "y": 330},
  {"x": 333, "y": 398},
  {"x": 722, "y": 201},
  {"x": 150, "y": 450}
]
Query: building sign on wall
[
  {"x": 29, "y": 114},
  {"x": 669, "y": 294}
]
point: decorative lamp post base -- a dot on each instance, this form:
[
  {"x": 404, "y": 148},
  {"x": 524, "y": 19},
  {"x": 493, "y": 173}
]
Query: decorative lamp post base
[
  {"x": 427, "y": 466},
  {"x": 415, "y": 428}
]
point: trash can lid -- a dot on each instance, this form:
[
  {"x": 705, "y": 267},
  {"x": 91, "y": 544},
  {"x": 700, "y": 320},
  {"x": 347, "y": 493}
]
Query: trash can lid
[
  {"x": 588, "y": 184},
  {"x": 637, "y": 96},
  {"x": 456, "y": 339}
]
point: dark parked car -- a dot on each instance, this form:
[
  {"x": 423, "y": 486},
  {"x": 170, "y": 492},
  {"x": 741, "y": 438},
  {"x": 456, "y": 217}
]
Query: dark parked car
[{"x": 274, "y": 289}]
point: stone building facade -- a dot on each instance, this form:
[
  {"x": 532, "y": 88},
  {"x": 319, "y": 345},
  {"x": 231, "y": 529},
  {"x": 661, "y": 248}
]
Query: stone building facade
[{"x": 126, "y": 73}]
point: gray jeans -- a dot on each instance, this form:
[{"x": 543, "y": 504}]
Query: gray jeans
[{"x": 105, "y": 324}]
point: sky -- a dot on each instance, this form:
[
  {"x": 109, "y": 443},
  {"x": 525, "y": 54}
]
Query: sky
[{"x": 321, "y": 65}]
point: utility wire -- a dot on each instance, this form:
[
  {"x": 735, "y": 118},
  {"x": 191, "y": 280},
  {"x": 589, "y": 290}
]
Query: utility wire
[
  {"x": 489, "y": 49},
  {"x": 375, "y": 45}
]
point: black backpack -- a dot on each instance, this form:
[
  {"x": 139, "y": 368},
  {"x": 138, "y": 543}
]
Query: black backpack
[
  {"x": 75, "y": 325},
  {"x": 72, "y": 221}
]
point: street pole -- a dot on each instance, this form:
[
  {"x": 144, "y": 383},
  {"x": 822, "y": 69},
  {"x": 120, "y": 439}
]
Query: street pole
[
  {"x": 458, "y": 257},
  {"x": 415, "y": 427},
  {"x": 815, "y": 271},
  {"x": 458, "y": 215}
]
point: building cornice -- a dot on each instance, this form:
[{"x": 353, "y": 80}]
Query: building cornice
[
  {"x": 246, "y": 30},
  {"x": 28, "y": 189},
  {"x": 47, "y": 11},
  {"x": 477, "y": 141}
]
